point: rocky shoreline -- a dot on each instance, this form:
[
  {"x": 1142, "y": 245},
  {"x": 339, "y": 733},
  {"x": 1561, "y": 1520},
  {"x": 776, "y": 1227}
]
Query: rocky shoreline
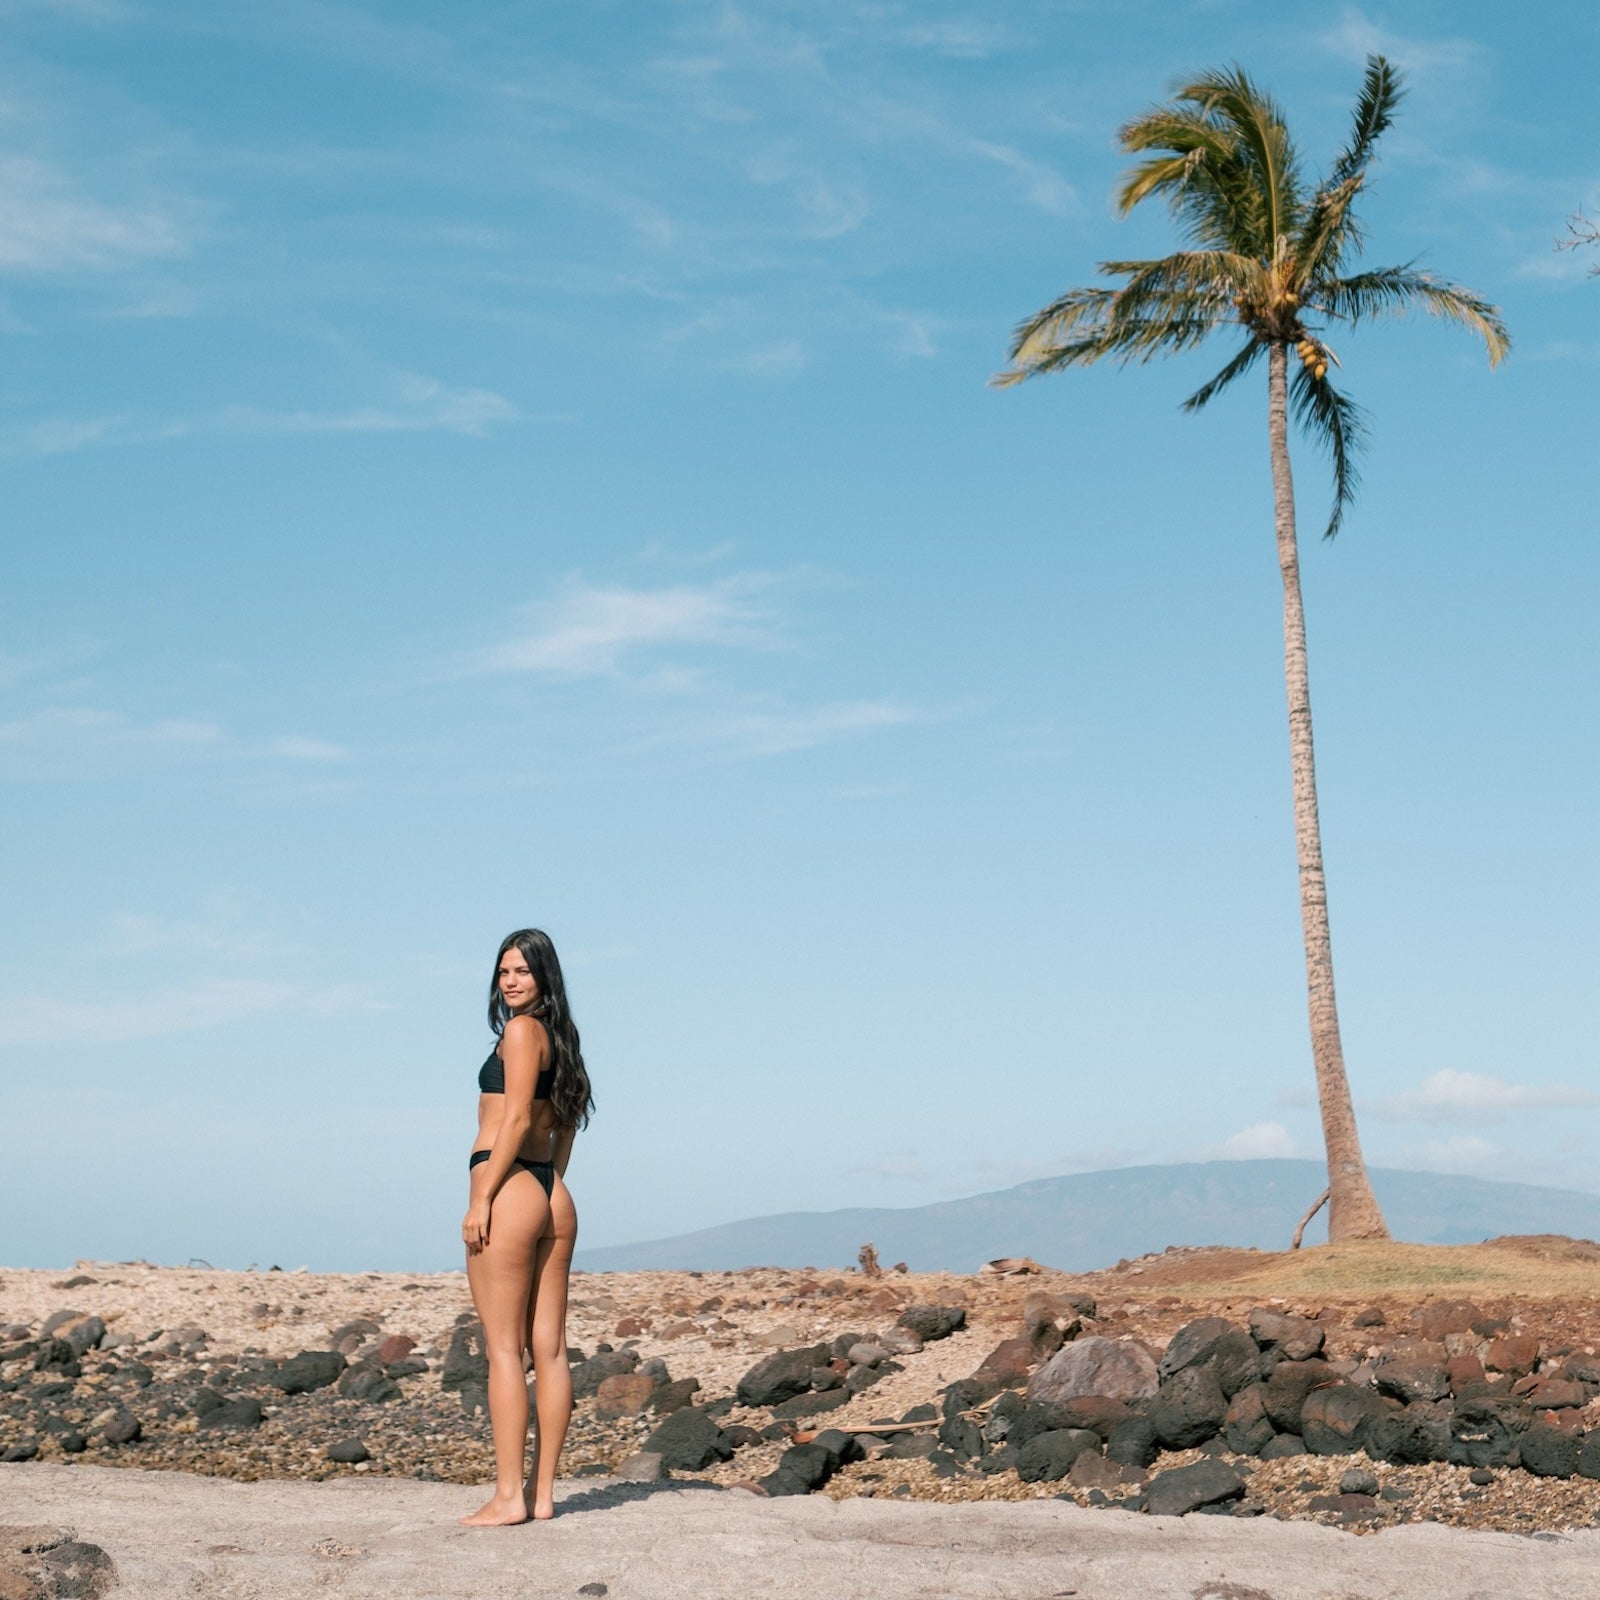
[{"x": 1361, "y": 1413}]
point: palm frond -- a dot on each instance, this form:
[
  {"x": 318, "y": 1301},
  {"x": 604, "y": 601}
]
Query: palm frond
[
  {"x": 1236, "y": 368},
  {"x": 1205, "y": 178},
  {"x": 1392, "y": 291},
  {"x": 1332, "y": 227},
  {"x": 1189, "y": 271},
  {"x": 1336, "y": 423},
  {"x": 1257, "y": 122},
  {"x": 1375, "y": 106}
]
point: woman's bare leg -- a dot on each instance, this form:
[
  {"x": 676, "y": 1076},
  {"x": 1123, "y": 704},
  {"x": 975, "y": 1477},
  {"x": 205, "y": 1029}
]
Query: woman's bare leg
[
  {"x": 547, "y": 1340},
  {"x": 501, "y": 1278}
]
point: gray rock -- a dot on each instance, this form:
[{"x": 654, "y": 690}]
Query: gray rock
[
  {"x": 643, "y": 1466},
  {"x": 689, "y": 1441},
  {"x": 1133, "y": 1443},
  {"x": 1359, "y": 1481},
  {"x": 50, "y": 1564},
  {"x": 368, "y": 1383},
  {"x": 932, "y": 1322},
  {"x": 1549, "y": 1452},
  {"x": 841, "y": 1446},
  {"x": 900, "y": 1341},
  {"x": 1180, "y": 1490},
  {"x": 84, "y": 1336},
  {"x": 1485, "y": 1432},
  {"x": 780, "y": 1376},
  {"x": 668, "y": 1397},
  {"x": 1049, "y": 1456},
  {"x": 1286, "y": 1390},
  {"x": 244, "y": 1413},
  {"x": 125, "y": 1429},
  {"x": 866, "y": 1354},
  {"x": 1283, "y": 1446},
  {"x": 587, "y": 1376},
  {"x": 1589, "y": 1456},
  {"x": 1246, "y": 1427},
  {"x": 911, "y": 1447},
  {"x": 813, "y": 1405},
  {"x": 1116, "y": 1368},
  {"x": 1189, "y": 1409},
  {"x": 311, "y": 1369},
  {"x": 1412, "y": 1380},
  {"x": 348, "y": 1452},
  {"x": 1334, "y": 1421},
  {"x": 864, "y": 1377},
  {"x": 1297, "y": 1338},
  {"x": 810, "y": 1463},
  {"x": 1415, "y": 1434},
  {"x": 1192, "y": 1344},
  {"x": 962, "y": 1437},
  {"x": 466, "y": 1361}
]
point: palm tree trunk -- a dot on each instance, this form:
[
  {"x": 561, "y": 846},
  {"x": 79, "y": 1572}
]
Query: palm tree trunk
[{"x": 1352, "y": 1208}]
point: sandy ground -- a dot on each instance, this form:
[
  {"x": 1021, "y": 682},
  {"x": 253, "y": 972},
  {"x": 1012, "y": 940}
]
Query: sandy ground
[{"x": 171, "y": 1534}]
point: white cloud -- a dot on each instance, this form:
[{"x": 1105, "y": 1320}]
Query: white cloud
[
  {"x": 419, "y": 405},
  {"x": 600, "y": 631},
  {"x": 784, "y": 729},
  {"x": 33, "y": 1019},
  {"x": 1463, "y": 1153},
  {"x": 44, "y": 227},
  {"x": 1261, "y": 1141},
  {"x": 75, "y": 728},
  {"x": 781, "y": 359},
  {"x": 295, "y": 747},
  {"x": 959, "y": 38},
  {"x": 1451, "y": 1096},
  {"x": 1357, "y": 36},
  {"x": 1041, "y": 186}
]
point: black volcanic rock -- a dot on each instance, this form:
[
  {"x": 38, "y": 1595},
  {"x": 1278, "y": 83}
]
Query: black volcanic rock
[
  {"x": 780, "y": 1376},
  {"x": 311, "y": 1369}
]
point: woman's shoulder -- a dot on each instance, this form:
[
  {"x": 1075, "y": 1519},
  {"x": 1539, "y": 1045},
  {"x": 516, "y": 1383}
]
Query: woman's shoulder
[{"x": 523, "y": 1029}]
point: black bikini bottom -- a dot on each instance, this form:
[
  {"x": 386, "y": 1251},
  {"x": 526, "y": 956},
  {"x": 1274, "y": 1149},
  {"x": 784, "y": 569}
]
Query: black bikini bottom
[{"x": 544, "y": 1171}]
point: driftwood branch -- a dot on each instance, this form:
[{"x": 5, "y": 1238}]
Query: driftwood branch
[{"x": 1320, "y": 1202}]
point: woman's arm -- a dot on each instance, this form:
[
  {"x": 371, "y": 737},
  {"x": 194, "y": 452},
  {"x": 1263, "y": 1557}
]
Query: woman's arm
[{"x": 523, "y": 1050}]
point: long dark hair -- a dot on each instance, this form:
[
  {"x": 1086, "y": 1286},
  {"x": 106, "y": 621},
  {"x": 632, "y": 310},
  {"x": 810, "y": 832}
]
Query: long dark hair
[{"x": 570, "y": 1093}]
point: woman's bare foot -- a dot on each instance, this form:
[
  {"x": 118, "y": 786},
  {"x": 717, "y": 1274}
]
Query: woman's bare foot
[
  {"x": 503, "y": 1511},
  {"x": 543, "y": 1510}
]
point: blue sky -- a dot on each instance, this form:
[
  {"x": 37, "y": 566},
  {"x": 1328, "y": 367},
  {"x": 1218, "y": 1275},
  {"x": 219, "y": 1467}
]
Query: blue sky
[{"x": 470, "y": 466}]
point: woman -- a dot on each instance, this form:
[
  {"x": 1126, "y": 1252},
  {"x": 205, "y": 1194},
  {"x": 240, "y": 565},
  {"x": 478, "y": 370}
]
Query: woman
[{"x": 521, "y": 1225}]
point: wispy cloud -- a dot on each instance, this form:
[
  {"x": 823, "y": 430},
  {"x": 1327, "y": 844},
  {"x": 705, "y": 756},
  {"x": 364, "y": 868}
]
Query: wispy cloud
[
  {"x": 296, "y": 747},
  {"x": 960, "y": 38},
  {"x": 1465, "y": 1153},
  {"x": 1356, "y": 36},
  {"x": 75, "y": 741},
  {"x": 1450, "y": 1096},
  {"x": 45, "y": 226},
  {"x": 31, "y": 1019},
  {"x": 419, "y": 405},
  {"x": 780, "y": 730},
  {"x": 1260, "y": 1141},
  {"x": 590, "y": 630}
]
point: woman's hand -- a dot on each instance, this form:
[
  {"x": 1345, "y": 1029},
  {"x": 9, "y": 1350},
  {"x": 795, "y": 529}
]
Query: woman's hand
[{"x": 475, "y": 1226}]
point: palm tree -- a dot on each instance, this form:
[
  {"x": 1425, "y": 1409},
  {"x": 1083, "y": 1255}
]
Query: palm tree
[{"x": 1267, "y": 257}]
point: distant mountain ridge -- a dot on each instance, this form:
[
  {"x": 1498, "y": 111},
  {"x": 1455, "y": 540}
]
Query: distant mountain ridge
[{"x": 1093, "y": 1219}]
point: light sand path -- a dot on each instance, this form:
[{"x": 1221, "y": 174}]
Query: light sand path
[{"x": 174, "y": 1535}]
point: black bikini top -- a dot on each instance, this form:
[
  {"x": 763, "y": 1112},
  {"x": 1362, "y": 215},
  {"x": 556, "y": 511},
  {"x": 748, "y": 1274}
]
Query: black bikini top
[{"x": 492, "y": 1078}]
